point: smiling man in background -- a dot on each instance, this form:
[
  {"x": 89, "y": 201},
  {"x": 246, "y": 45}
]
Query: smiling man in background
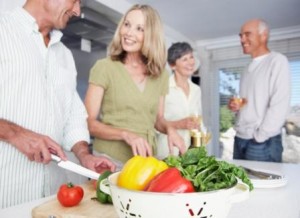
[
  {"x": 40, "y": 110},
  {"x": 265, "y": 86}
]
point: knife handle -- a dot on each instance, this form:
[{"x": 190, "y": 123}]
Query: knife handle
[{"x": 55, "y": 158}]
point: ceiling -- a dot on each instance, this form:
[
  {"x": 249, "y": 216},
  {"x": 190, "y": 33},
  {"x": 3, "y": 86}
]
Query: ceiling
[
  {"x": 207, "y": 19},
  {"x": 197, "y": 20}
]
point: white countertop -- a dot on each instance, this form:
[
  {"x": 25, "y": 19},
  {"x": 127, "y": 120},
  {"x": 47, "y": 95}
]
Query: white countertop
[{"x": 281, "y": 202}]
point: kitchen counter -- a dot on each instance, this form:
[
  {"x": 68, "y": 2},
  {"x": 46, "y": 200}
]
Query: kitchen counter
[
  {"x": 263, "y": 202},
  {"x": 280, "y": 202}
]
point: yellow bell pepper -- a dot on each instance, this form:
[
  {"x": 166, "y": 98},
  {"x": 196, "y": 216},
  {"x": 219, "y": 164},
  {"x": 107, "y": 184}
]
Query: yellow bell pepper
[{"x": 138, "y": 171}]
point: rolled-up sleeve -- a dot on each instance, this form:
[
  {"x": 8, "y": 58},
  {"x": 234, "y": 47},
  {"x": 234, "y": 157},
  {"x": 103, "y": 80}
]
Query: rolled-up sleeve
[{"x": 76, "y": 128}]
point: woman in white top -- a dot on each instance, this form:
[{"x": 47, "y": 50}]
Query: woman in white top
[{"x": 184, "y": 98}]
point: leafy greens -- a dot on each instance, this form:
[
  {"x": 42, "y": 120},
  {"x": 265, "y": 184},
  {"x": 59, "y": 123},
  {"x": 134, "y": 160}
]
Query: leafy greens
[{"x": 205, "y": 172}]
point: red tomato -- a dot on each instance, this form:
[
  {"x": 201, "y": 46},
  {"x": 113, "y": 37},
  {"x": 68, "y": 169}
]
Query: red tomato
[{"x": 69, "y": 195}]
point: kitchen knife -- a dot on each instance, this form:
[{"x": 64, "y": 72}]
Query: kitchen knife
[
  {"x": 261, "y": 174},
  {"x": 69, "y": 165}
]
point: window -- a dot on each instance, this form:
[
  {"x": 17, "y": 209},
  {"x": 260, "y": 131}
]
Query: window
[
  {"x": 229, "y": 79},
  {"x": 295, "y": 71},
  {"x": 229, "y": 83}
]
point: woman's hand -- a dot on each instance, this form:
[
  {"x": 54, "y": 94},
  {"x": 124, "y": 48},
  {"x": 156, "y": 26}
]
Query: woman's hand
[
  {"x": 138, "y": 144},
  {"x": 175, "y": 140},
  {"x": 189, "y": 123}
]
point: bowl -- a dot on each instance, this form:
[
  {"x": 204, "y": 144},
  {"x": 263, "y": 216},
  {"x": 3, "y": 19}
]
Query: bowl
[{"x": 142, "y": 204}]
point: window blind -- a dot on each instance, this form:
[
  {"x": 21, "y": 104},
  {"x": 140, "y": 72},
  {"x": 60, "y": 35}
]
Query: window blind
[{"x": 295, "y": 71}]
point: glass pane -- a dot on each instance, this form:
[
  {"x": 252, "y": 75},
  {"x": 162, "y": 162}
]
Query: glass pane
[
  {"x": 229, "y": 85},
  {"x": 295, "y": 71}
]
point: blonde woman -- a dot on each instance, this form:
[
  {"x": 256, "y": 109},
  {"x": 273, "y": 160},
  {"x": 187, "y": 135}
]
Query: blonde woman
[{"x": 125, "y": 97}]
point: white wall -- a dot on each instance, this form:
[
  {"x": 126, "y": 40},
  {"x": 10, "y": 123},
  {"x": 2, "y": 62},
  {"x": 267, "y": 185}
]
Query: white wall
[
  {"x": 7, "y": 5},
  {"x": 84, "y": 62},
  {"x": 171, "y": 35}
]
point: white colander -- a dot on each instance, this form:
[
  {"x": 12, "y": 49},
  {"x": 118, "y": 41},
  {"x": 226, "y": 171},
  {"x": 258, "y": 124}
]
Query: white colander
[{"x": 141, "y": 204}]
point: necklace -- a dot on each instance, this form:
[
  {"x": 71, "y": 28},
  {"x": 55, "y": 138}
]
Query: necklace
[
  {"x": 136, "y": 72},
  {"x": 135, "y": 64}
]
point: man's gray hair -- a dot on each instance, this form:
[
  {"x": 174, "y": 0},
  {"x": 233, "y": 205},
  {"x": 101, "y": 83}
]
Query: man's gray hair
[{"x": 263, "y": 26}]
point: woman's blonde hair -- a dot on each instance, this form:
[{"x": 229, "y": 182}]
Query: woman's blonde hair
[{"x": 154, "y": 54}]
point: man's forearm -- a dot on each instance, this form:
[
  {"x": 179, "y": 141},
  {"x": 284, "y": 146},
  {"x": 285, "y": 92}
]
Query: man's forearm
[
  {"x": 81, "y": 149},
  {"x": 8, "y": 130}
]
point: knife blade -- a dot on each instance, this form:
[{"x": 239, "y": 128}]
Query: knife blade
[
  {"x": 261, "y": 174},
  {"x": 71, "y": 166}
]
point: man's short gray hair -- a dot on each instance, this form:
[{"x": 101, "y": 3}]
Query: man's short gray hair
[{"x": 263, "y": 26}]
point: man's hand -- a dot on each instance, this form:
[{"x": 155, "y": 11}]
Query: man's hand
[
  {"x": 97, "y": 163},
  {"x": 236, "y": 103},
  {"x": 35, "y": 146},
  {"x": 90, "y": 161},
  {"x": 233, "y": 105}
]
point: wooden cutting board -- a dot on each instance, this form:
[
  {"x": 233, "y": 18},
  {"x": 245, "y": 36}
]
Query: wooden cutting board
[{"x": 87, "y": 208}]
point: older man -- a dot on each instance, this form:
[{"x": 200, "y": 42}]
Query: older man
[
  {"x": 40, "y": 110},
  {"x": 265, "y": 86}
]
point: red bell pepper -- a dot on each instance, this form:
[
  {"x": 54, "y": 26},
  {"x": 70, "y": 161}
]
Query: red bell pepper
[{"x": 170, "y": 180}]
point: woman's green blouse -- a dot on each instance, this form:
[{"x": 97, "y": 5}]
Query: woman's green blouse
[{"x": 125, "y": 106}]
